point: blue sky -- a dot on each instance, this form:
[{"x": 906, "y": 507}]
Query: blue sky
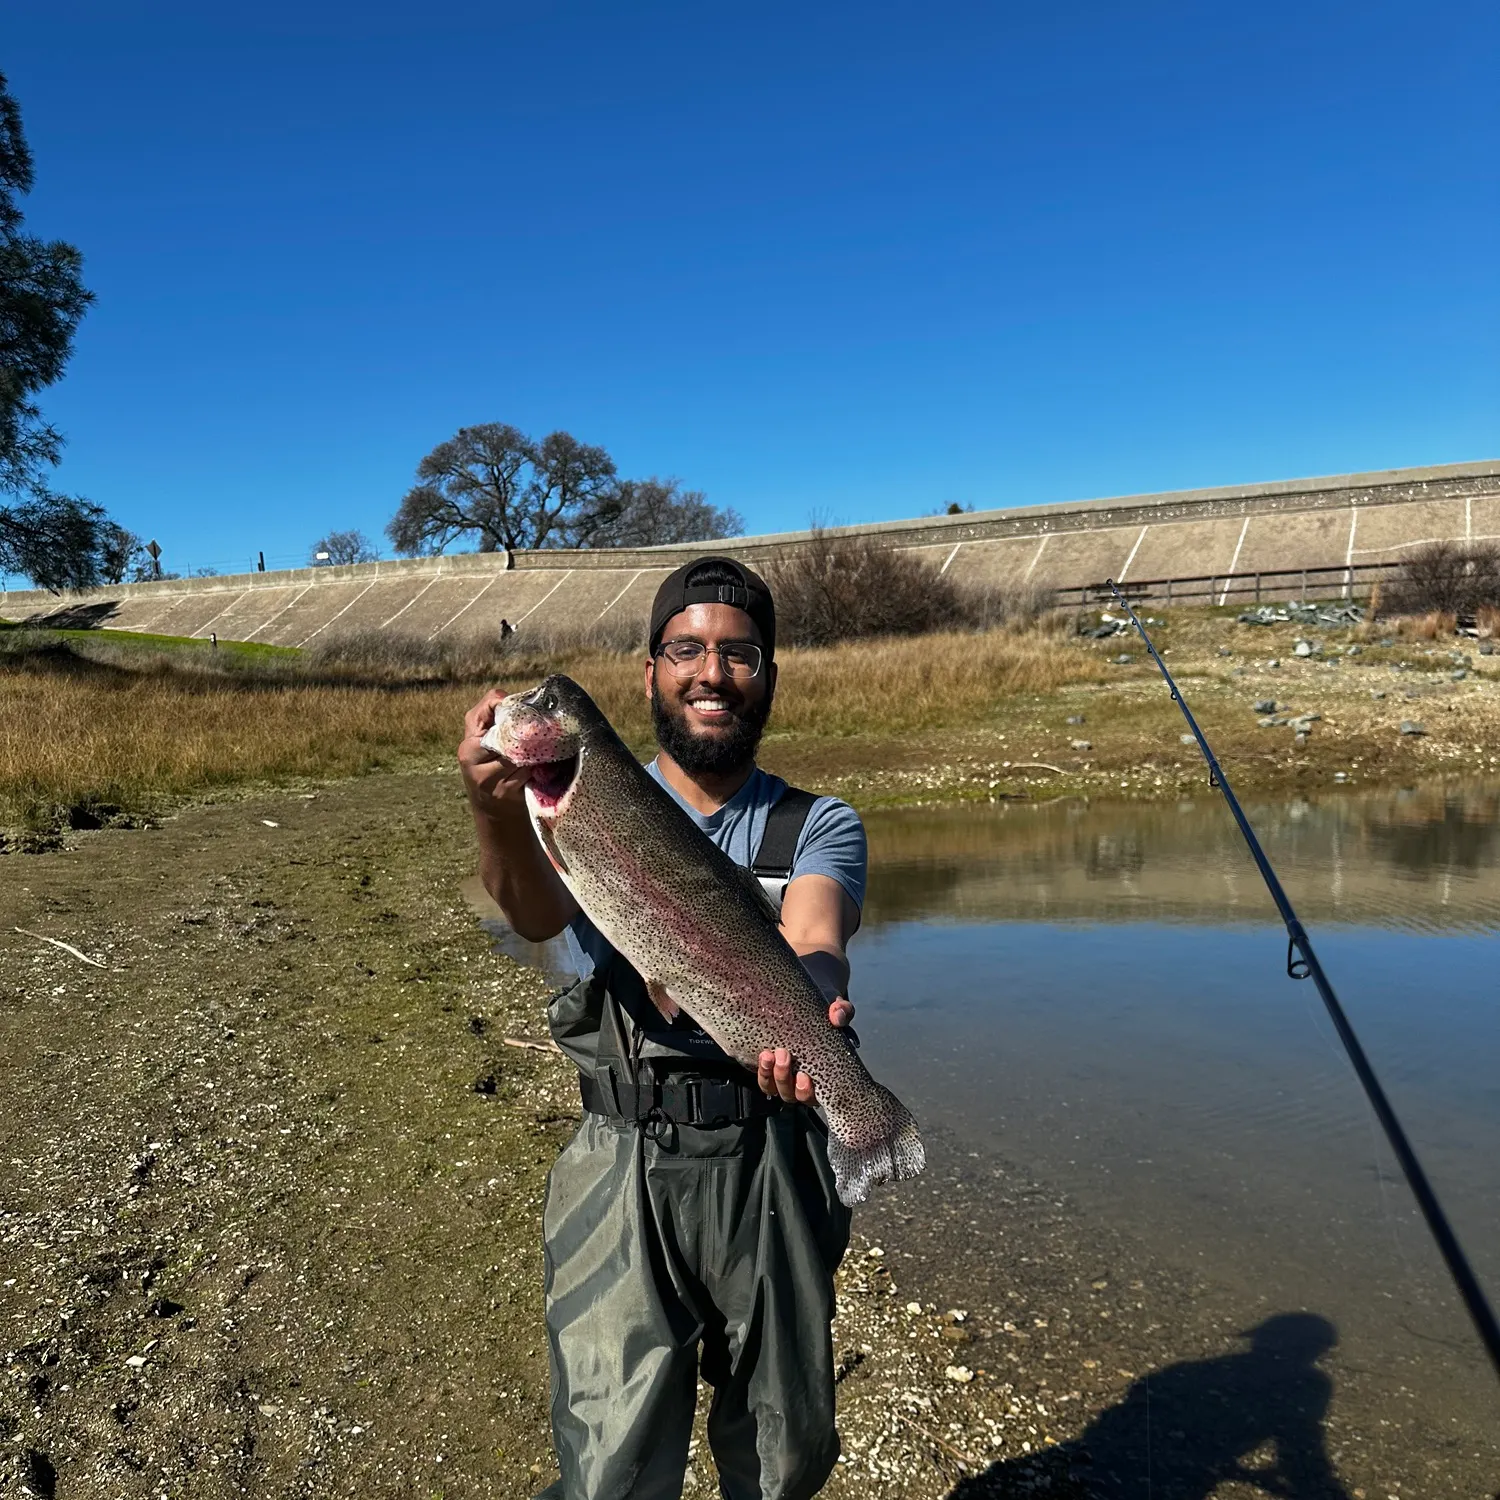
[{"x": 845, "y": 261}]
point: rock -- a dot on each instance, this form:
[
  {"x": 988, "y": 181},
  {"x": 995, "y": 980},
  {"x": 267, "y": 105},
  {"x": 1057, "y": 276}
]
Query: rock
[
  {"x": 1301, "y": 736},
  {"x": 914, "y": 1308},
  {"x": 1305, "y": 648},
  {"x": 1187, "y": 739},
  {"x": 1354, "y": 651},
  {"x": 1377, "y": 693},
  {"x": 1083, "y": 745},
  {"x": 136, "y": 1362},
  {"x": 1341, "y": 776},
  {"x": 1270, "y": 722},
  {"x": 1486, "y": 648},
  {"x": 1225, "y": 651},
  {"x": 1459, "y": 675},
  {"x": 1265, "y": 705},
  {"x": 960, "y": 1373},
  {"x": 1123, "y": 659},
  {"x": 1075, "y": 719},
  {"x": 954, "y": 1335},
  {"x": 1273, "y": 662},
  {"x": 1303, "y": 721},
  {"x": 1410, "y": 726}
]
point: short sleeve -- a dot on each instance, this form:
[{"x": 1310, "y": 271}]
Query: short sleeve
[{"x": 833, "y": 844}]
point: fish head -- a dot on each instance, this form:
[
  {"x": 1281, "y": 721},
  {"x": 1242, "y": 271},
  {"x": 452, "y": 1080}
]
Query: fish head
[{"x": 545, "y": 729}]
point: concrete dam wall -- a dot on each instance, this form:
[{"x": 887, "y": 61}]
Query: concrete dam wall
[{"x": 1340, "y": 524}]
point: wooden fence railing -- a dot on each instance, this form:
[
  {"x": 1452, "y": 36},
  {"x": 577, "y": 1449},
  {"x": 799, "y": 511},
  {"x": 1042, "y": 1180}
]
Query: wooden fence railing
[{"x": 1224, "y": 588}]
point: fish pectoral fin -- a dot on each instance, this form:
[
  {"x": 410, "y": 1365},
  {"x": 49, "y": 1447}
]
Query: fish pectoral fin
[
  {"x": 549, "y": 847},
  {"x": 661, "y": 998}
]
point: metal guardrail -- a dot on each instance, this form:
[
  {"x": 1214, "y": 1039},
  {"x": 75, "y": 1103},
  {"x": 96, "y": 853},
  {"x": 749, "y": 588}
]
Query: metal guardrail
[{"x": 1221, "y": 588}]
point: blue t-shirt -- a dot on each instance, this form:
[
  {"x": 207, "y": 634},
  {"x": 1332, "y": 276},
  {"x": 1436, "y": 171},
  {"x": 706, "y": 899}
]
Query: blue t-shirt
[{"x": 832, "y": 843}]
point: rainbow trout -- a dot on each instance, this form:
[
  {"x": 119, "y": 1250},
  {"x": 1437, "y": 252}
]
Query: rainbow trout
[{"x": 697, "y": 927}]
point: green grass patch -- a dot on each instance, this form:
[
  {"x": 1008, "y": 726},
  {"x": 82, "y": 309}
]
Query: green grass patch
[{"x": 13, "y": 634}]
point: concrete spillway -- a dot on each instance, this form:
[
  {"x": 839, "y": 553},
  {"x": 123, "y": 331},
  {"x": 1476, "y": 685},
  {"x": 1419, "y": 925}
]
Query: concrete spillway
[{"x": 1337, "y": 523}]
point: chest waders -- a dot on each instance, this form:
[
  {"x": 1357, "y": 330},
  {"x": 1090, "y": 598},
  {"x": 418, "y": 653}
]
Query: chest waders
[{"x": 689, "y": 1210}]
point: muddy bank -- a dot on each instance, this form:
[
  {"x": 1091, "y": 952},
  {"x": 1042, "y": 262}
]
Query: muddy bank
[{"x": 270, "y": 1188}]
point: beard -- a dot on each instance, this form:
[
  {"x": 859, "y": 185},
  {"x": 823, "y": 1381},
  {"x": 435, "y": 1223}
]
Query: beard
[{"x": 709, "y": 754}]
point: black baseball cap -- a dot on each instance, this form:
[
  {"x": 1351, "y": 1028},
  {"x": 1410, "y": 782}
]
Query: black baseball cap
[{"x": 743, "y": 589}]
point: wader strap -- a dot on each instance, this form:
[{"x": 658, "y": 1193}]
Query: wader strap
[
  {"x": 683, "y": 1101},
  {"x": 784, "y": 825}
]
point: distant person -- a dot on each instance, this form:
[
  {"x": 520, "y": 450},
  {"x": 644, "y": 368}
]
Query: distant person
[
  {"x": 506, "y": 629},
  {"x": 691, "y": 1225}
]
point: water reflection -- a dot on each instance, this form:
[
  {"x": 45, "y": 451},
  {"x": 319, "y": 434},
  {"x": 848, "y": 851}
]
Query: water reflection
[{"x": 1422, "y": 858}]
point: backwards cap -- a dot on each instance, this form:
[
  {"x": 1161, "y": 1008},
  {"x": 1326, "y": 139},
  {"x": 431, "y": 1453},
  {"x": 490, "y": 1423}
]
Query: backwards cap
[{"x": 748, "y": 592}]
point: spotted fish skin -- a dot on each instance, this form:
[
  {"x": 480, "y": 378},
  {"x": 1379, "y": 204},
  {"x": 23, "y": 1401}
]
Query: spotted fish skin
[{"x": 696, "y": 926}]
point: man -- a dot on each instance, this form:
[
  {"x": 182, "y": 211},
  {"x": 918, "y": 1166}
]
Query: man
[{"x": 695, "y": 1206}]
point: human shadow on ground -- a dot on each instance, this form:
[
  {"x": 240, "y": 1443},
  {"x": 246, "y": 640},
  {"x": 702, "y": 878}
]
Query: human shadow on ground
[{"x": 1254, "y": 1417}]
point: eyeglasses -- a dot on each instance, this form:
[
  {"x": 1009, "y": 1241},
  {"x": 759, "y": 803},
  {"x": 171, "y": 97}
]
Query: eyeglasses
[{"x": 686, "y": 658}]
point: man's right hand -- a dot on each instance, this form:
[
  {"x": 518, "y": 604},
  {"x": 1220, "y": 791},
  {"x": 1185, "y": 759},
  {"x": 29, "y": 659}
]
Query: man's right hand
[{"x": 496, "y": 786}]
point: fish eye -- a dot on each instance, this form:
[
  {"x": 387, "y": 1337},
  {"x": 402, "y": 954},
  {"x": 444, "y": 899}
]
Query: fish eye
[{"x": 548, "y": 702}]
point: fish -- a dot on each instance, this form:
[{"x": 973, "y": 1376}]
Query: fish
[{"x": 697, "y": 927}]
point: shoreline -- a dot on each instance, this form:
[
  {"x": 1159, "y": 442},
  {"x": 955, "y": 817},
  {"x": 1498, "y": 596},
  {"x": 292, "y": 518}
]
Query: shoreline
[{"x": 992, "y": 717}]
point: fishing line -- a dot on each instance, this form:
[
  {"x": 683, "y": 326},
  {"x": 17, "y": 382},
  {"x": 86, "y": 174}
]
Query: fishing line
[{"x": 1302, "y": 963}]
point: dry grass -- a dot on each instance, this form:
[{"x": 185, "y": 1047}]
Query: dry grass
[
  {"x": 921, "y": 682},
  {"x": 142, "y": 734}
]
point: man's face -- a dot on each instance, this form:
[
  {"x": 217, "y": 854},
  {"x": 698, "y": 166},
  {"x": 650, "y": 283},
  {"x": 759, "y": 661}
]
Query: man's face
[{"x": 709, "y": 721}]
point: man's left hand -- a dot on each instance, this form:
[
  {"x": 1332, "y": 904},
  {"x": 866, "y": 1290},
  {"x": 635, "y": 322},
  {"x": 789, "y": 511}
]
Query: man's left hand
[{"x": 778, "y": 1074}]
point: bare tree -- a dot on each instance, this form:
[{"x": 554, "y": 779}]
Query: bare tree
[
  {"x": 345, "y": 547},
  {"x": 473, "y": 485},
  {"x": 572, "y": 492},
  {"x": 652, "y": 512},
  {"x": 492, "y": 485}
]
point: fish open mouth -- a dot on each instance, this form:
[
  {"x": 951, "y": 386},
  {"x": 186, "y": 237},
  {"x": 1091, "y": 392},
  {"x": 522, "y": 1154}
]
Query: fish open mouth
[{"x": 552, "y": 780}]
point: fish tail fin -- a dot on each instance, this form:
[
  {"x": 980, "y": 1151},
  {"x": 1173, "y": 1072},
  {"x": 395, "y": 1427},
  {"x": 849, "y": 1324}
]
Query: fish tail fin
[{"x": 894, "y": 1155}]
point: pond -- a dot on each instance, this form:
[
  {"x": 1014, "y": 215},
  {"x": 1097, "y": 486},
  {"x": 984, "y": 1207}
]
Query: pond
[{"x": 1099, "y": 993}]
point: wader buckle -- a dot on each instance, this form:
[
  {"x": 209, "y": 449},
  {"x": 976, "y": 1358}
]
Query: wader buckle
[{"x": 716, "y": 1101}]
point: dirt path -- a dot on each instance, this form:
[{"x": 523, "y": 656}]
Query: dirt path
[{"x": 270, "y": 1189}]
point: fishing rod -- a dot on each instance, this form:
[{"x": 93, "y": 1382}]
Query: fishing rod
[{"x": 1302, "y": 963}]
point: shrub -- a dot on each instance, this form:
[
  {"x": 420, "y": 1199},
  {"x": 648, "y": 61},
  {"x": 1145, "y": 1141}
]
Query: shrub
[
  {"x": 840, "y": 588},
  {"x": 1444, "y": 578}
]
